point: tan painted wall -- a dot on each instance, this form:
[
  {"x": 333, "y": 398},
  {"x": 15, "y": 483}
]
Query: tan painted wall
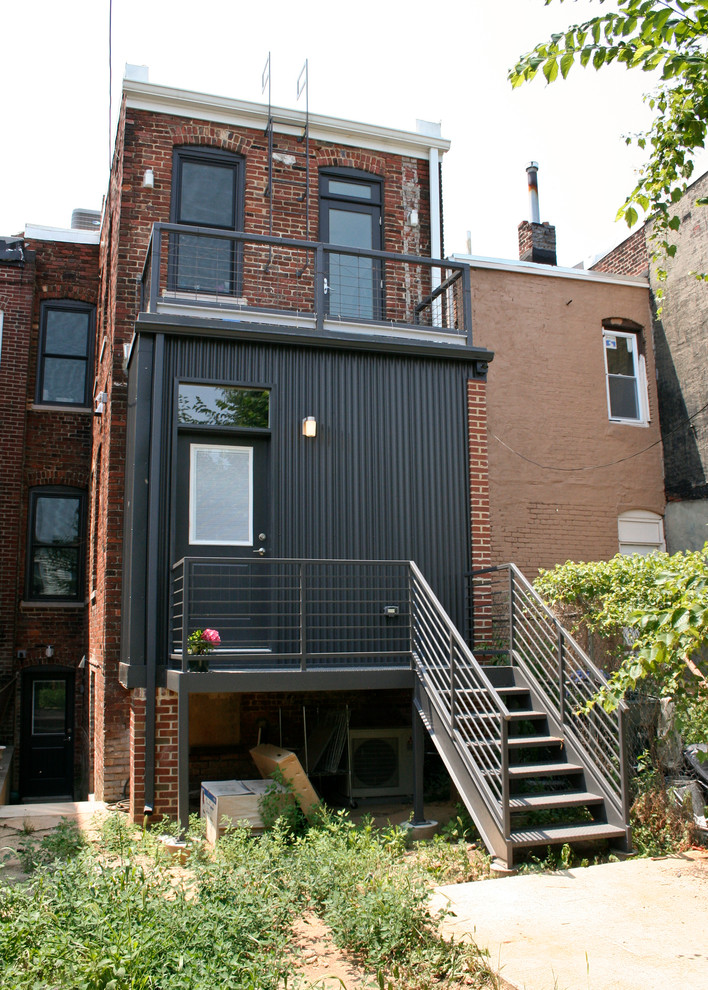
[{"x": 547, "y": 400}]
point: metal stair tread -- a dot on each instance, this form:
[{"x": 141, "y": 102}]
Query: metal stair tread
[
  {"x": 553, "y": 834},
  {"x": 518, "y": 742},
  {"x": 543, "y": 769},
  {"x": 531, "y": 713},
  {"x": 539, "y": 802}
]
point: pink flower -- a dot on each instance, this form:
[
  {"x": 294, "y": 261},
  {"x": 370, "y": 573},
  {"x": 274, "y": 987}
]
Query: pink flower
[{"x": 211, "y": 636}]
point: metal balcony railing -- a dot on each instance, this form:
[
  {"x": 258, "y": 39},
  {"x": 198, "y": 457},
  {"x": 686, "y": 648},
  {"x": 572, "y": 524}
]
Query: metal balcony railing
[
  {"x": 309, "y": 280},
  {"x": 293, "y": 614}
]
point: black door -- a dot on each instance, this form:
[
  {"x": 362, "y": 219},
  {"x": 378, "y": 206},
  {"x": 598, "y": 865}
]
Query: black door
[
  {"x": 350, "y": 215},
  {"x": 222, "y": 512},
  {"x": 47, "y": 743}
]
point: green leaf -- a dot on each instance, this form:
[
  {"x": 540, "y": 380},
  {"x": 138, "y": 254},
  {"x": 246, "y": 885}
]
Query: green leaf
[
  {"x": 566, "y": 64},
  {"x": 550, "y": 70}
]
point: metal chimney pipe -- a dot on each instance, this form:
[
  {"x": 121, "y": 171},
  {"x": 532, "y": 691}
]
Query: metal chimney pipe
[{"x": 532, "y": 173}]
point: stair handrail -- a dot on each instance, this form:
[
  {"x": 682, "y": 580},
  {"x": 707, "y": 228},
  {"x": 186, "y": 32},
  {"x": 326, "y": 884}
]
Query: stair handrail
[
  {"x": 471, "y": 672},
  {"x": 587, "y": 682}
]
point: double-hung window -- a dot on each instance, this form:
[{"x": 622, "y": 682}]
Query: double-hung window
[
  {"x": 626, "y": 377},
  {"x": 55, "y": 548},
  {"x": 65, "y": 366}
]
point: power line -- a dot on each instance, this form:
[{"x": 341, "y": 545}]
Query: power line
[{"x": 597, "y": 467}]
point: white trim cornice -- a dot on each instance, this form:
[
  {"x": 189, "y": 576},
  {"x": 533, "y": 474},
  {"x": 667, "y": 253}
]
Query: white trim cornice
[{"x": 239, "y": 113}]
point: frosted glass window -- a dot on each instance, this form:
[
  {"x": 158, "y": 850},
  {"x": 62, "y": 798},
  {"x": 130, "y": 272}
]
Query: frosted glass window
[{"x": 220, "y": 495}]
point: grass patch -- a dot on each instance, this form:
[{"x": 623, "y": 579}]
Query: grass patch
[{"x": 121, "y": 914}]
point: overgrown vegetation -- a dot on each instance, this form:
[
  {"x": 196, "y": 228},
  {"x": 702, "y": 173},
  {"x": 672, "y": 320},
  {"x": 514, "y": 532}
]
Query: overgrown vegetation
[
  {"x": 121, "y": 915},
  {"x": 660, "y": 826},
  {"x": 662, "y": 601}
]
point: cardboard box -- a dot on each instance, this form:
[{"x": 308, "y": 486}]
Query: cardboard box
[
  {"x": 269, "y": 758},
  {"x": 227, "y": 802}
]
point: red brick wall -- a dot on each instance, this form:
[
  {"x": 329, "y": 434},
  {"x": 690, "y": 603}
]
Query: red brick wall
[
  {"x": 628, "y": 258},
  {"x": 41, "y": 446},
  {"x": 16, "y": 292}
]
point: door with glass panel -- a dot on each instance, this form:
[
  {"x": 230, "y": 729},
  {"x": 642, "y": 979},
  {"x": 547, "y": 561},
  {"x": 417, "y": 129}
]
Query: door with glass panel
[
  {"x": 350, "y": 215},
  {"x": 47, "y": 752},
  {"x": 222, "y": 517},
  {"x": 206, "y": 192}
]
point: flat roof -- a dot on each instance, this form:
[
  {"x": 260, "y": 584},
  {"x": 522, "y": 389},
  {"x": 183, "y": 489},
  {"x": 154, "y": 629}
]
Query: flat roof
[
  {"x": 39, "y": 232},
  {"x": 550, "y": 271}
]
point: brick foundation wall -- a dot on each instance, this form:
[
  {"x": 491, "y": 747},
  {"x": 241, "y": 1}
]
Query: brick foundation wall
[{"x": 166, "y": 778}]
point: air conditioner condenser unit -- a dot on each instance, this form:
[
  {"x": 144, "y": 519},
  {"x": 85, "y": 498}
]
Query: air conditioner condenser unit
[{"x": 381, "y": 762}]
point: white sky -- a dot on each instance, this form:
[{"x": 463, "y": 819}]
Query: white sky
[{"x": 383, "y": 63}]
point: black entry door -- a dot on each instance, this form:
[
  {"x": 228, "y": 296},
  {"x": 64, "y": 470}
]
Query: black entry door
[
  {"x": 222, "y": 512},
  {"x": 47, "y": 753}
]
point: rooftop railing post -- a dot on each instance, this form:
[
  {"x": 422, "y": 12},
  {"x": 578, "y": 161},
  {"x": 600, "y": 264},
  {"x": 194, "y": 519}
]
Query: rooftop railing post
[
  {"x": 467, "y": 304},
  {"x": 320, "y": 274},
  {"x": 155, "y": 264}
]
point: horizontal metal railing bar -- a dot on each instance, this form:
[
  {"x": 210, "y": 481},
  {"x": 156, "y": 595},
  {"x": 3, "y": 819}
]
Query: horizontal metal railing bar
[
  {"x": 304, "y": 245},
  {"x": 294, "y": 561}
]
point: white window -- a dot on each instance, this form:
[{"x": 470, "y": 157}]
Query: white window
[
  {"x": 626, "y": 378},
  {"x": 221, "y": 495},
  {"x": 640, "y": 531}
]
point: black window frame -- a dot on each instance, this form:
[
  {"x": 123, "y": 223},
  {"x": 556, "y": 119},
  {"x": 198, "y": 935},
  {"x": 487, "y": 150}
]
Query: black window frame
[
  {"x": 48, "y": 306},
  {"x": 50, "y": 492},
  {"x": 207, "y": 156},
  {"x": 373, "y": 206}
]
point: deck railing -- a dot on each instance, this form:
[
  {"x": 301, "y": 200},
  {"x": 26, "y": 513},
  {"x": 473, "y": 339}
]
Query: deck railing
[
  {"x": 514, "y": 625},
  {"x": 255, "y": 274},
  {"x": 293, "y": 614}
]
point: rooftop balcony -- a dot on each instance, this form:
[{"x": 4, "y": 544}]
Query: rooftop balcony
[{"x": 307, "y": 286}]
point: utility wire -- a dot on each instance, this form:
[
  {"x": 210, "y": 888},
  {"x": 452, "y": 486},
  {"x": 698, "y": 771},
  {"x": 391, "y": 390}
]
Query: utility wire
[
  {"x": 110, "y": 82},
  {"x": 597, "y": 467}
]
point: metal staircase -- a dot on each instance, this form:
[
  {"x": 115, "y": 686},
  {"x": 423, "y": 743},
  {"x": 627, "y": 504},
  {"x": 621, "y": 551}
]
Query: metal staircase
[{"x": 531, "y": 767}]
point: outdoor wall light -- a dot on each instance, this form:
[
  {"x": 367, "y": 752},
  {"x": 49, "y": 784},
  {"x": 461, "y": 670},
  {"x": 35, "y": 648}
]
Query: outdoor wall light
[
  {"x": 149, "y": 179},
  {"x": 49, "y": 652},
  {"x": 309, "y": 426}
]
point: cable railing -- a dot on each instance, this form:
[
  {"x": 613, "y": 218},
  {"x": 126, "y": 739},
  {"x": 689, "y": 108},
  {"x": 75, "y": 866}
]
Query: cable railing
[
  {"x": 517, "y": 627},
  {"x": 292, "y": 614},
  {"x": 190, "y": 267}
]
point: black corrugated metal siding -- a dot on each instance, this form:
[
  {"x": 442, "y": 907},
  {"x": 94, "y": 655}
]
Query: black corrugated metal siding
[{"x": 385, "y": 478}]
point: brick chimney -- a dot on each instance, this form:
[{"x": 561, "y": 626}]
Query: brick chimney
[{"x": 537, "y": 242}]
